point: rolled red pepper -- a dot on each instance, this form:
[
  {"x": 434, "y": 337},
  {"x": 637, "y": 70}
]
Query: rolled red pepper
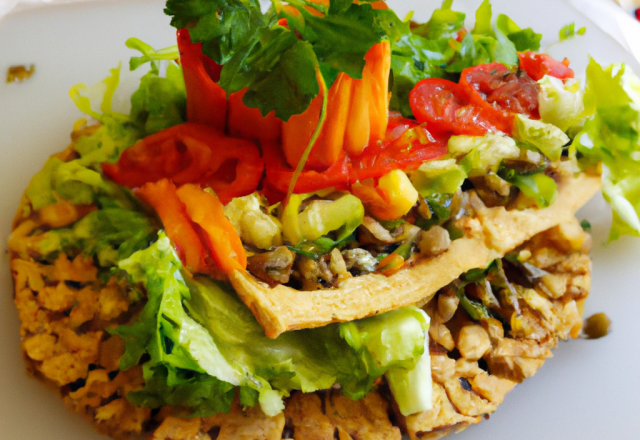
[
  {"x": 248, "y": 123},
  {"x": 191, "y": 153},
  {"x": 500, "y": 92},
  {"x": 206, "y": 100},
  {"x": 235, "y": 169}
]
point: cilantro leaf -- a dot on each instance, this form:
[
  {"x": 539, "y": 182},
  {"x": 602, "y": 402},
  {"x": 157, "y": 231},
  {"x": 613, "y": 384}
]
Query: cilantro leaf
[
  {"x": 296, "y": 70},
  {"x": 340, "y": 41},
  {"x": 224, "y": 26}
]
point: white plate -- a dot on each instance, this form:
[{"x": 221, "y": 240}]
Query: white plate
[{"x": 589, "y": 390}]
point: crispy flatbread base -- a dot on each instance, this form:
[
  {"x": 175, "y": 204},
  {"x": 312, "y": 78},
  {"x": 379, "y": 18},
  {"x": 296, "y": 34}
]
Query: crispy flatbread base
[{"x": 493, "y": 233}]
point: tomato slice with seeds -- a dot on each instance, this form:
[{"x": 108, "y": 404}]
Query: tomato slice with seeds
[
  {"x": 500, "y": 92},
  {"x": 445, "y": 108}
]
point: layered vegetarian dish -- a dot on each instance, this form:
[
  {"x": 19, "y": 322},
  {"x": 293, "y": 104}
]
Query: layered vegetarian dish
[{"x": 320, "y": 220}]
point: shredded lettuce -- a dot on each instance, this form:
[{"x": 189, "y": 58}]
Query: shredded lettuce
[
  {"x": 159, "y": 103},
  {"x": 483, "y": 153},
  {"x": 438, "y": 177},
  {"x": 612, "y": 137}
]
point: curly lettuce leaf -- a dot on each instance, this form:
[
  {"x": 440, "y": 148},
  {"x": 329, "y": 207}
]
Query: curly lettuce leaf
[
  {"x": 158, "y": 103},
  {"x": 522, "y": 39},
  {"x": 612, "y": 137},
  {"x": 562, "y": 104}
]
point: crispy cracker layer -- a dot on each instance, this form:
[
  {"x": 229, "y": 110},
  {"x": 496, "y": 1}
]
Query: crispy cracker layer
[{"x": 494, "y": 232}]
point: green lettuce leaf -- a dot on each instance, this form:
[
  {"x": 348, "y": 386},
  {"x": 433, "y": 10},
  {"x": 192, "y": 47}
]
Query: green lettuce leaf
[
  {"x": 612, "y": 136},
  {"x": 195, "y": 330},
  {"x": 562, "y": 104},
  {"x": 538, "y": 135},
  {"x": 160, "y": 102},
  {"x": 523, "y": 39},
  {"x": 438, "y": 177}
]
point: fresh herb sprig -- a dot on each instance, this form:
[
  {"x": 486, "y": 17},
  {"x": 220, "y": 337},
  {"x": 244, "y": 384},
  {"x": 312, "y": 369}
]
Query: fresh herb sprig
[{"x": 279, "y": 62}]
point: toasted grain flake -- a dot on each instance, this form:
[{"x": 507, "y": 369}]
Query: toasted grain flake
[
  {"x": 365, "y": 419},
  {"x": 443, "y": 415},
  {"x": 307, "y": 419},
  {"x": 473, "y": 342},
  {"x": 173, "y": 428},
  {"x": 249, "y": 424}
]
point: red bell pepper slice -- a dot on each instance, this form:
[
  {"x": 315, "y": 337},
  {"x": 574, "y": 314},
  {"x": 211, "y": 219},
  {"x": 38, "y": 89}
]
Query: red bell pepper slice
[
  {"x": 537, "y": 65},
  {"x": 500, "y": 92},
  {"x": 445, "y": 108},
  {"x": 224, "y": 244},
  {"x": 191, "y": 153},
  {"x": 206, "y": 100},
  {"x": 163, "y": 198},
  {"x": 279, "y": 174},
  {"x": 235, "y": 169},
  {"x": 407, "y": 145},
  {"x": 176, "y": 151}
]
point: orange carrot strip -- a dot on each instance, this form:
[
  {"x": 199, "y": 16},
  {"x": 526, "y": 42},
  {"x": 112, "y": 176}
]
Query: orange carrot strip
[
  {"x": 297, "y": 132},
  {"x": 377, "y": 72},
  {"x": 162, "y": 197},
  {"x": 205, "y": 209},
  {"x": 358, "y": 130}
]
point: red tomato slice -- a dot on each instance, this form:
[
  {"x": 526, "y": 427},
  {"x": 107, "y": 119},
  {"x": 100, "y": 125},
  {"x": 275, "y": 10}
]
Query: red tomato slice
[
  {"x": 445, "y": 108},
  {"x": 501, "y": 92},
  {"x": 537, "y": 65}
]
